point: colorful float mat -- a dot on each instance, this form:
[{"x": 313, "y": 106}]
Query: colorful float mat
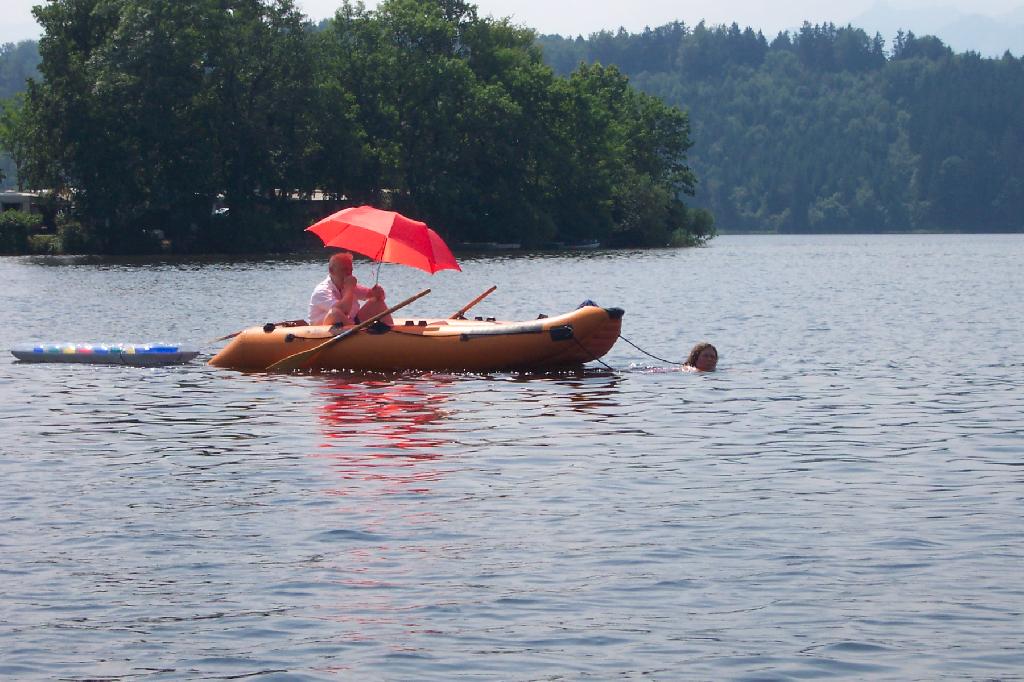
[{"x": 134, "y": 354}]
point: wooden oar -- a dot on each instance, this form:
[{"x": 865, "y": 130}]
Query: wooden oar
[
  {"x": 283, "y": 323},
  {"x": 462, "y": 313},
  {"x": 301, "y": 359}
]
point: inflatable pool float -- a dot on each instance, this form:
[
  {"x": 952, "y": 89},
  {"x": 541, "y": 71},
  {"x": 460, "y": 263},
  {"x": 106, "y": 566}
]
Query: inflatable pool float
[
  {"x": 477, "y": 345},
  {"x": 134, "y": 354}
]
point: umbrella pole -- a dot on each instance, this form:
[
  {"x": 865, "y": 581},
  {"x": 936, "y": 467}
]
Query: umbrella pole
[{"x": 380, "y": 261}]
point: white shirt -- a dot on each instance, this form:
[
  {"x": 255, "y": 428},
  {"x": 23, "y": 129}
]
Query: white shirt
[{"x": 325, "y": 295}]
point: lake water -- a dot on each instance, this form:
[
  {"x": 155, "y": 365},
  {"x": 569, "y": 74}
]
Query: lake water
[{"x": 843, "y": 498}]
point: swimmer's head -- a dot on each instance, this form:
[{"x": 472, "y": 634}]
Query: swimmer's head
[{"x": 703, "y": 357}]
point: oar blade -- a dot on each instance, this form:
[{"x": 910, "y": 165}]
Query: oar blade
[{"x": 293, "y": 362}]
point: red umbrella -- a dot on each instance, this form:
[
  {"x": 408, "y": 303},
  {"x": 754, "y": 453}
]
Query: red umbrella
[{"x": 387, "y": 237}]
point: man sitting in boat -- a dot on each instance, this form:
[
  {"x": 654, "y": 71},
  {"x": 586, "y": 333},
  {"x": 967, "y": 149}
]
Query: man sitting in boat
[{"x": 336, "y": 299}]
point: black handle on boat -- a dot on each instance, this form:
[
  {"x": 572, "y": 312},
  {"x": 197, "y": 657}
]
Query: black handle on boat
[
  {"x": 461, "y": 314},
  {"x": 302, "y": 358}
]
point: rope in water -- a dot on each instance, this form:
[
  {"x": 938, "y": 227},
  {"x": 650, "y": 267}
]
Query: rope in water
[
  {"x": 648, "y": 354},
  {"x": 670, "y": 362}
]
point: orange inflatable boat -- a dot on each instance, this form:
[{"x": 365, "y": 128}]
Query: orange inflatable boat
[{"x": 479, "y": 345}]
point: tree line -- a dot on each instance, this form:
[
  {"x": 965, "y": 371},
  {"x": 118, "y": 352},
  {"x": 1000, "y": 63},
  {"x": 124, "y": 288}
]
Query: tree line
[
  {"x": 148, "y": 114},
  {"x": 829, "y": 129}
]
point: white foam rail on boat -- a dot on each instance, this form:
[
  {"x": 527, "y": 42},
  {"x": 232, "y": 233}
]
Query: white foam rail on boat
[{"x": 134, "y": 354}]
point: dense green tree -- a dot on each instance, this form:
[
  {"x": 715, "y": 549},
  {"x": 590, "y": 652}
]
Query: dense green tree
[
  {"x": 908, "y": 46},
  {"x": 634, "y": 160},
  {"x": 147, "y": 113},
  {"x": 428, "y": 81},
  {"x": 261, "y": 100},
  {"x": 464, "y": 125},
  {"x": 12, "y": 131},
  {"x": 18, "y": 62},
  {"x": 152, "y": 108}
]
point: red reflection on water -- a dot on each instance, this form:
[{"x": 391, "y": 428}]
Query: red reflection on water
[
  {"x": 384, "y": 441},
  {"x": 380, "y": 430}
]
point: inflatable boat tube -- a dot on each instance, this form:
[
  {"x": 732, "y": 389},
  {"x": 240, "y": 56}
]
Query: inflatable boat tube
[{"x": 480, "y": 345}]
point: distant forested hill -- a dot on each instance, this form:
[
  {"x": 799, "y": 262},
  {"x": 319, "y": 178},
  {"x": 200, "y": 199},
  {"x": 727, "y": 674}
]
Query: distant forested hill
[
  {"x": 17, "y": 62},
  {"x": 828, "y": 130}
]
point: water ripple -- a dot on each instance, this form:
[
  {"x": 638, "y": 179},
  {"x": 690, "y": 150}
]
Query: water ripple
[{"x": 841, "y": 499}]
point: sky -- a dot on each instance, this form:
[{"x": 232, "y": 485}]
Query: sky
[{"x": 573, "y": 17}]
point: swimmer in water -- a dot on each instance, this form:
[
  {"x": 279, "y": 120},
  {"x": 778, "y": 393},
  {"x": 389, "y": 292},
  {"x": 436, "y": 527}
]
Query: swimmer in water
[{"x": 703, "y": 358}]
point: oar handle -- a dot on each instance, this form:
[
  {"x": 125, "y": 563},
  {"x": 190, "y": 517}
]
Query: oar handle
[
  {"x": 298, "y": 360},
  {"x": 459, "y": 315}
]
